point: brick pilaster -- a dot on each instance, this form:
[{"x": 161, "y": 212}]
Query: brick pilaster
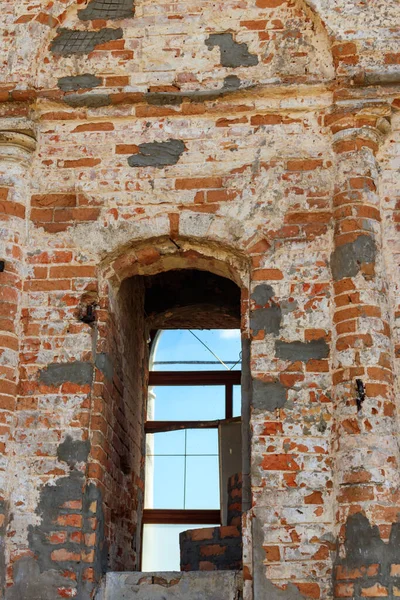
[
  {"x": 365, "y": 448},
  {"x": 15, "y": 153}
]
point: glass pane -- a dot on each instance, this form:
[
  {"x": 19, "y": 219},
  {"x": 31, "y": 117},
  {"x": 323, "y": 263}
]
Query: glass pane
[
  {"x": 202, "y": 441},
  {"x": 202, "y": 482},
  {"x": 183, "y": 350},
  {"x": 237, "y": 401},
  {"x": 161, "y": 546},
  {"x": 167, "y": 482},
  {"x": 189, "y": 403},
  {"x": 170, "y": 442}
]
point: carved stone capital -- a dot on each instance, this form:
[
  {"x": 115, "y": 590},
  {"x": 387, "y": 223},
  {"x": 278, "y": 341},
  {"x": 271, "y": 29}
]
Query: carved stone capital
[
  {"x": 16, "y": 146},
  {"x": 375, "y": 134},
  {"x": 370, "y": 123}
]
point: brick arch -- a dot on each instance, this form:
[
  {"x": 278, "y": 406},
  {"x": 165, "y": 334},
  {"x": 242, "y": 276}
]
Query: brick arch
[
  {"x": 115, "y": 463},
  {"x": 161, "y": 254},
  {"x": 313, "y": 38}
]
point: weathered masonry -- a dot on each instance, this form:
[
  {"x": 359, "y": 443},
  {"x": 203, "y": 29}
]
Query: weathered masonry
[{"x": 255, "y": 142}]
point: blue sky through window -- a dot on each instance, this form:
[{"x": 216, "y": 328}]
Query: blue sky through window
[
  {"x": 182, "y": 470},
  {"x": 181, "y": 345}
]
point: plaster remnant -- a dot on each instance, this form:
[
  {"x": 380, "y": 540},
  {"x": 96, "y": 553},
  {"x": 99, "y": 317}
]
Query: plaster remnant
[
  {"x": 264, "y": 589},
  {"x": 268, "y": 395},
  {"x": 107, "y": 9},
  {"x": 69, "y": 41},
  {"x": 266, "y": 319},
  {"x": 233, "y": 54},
  {"x": 79, "y": 82},
  {"x": 346, "y": 260},
  {"x": 73, "y": 451},
  {"x": 303, "y": 351},
  {"x": 157, "y": 154},
  {"x": 262, "y": 294},
  {"x": 88, "y": 100},
  {"x": 78, "y": 372},
  {"x": 104, "y": 363}
]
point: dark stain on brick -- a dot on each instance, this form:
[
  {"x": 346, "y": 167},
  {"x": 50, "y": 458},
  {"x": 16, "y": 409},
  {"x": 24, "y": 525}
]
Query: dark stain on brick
[
  {"x": 157, "y": 154},
  {"x": 69, "y": 41},
  {"x": 268, "y": 395},
  {"x": 107, "y": 10},
  {"x": 233, "y": 54},
  {"x": 87, "y": 100},
  {"x": 86, "y": 81},
  {"x": 303, "y": 351},
  {"x": 347, "y": 260},
  {"x": 78, "y": 372}
]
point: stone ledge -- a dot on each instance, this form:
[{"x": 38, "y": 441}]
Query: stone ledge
[{"x": 224, "y": 585}]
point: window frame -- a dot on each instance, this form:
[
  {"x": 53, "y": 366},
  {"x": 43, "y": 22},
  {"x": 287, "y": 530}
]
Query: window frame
[{"x": 190, "y": 378}]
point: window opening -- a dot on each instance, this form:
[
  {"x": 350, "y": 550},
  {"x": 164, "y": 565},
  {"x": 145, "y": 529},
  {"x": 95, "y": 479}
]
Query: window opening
[{"x": 186, "y": 408}]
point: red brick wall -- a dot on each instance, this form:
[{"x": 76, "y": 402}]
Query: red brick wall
[
  {"x": 211, "y": 549},
  {"x": 235, "y": 500},
  {"x": 116, "y": 459},
  {"x": 283, "y": 164}
]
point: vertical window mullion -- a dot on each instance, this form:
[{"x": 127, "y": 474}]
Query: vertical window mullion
[{"x": 228, "y": 400}]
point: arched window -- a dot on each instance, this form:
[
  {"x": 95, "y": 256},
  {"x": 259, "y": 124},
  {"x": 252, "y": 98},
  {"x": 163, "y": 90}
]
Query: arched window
[{"x": 193, "y": 440}]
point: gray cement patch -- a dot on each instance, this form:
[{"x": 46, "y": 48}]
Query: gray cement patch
[
  {"x": 157, "y": 154},
  {"x": 31, "y": 584},
  {"x": 73, "y": 451},
  {"x": 364, "y": 547},
  {"x": 233, "y": 54},
  {"x": 104, "y": 363},
  {"x": 268, "y": 395},
  {"x": 107, "y": 10},
  {"x": 78, "y": 372},
  {"x": 266, "y": 319},
  {"x": 86, "y": 81},
  {"x": 346, "y": 260},
  {"x": 70, "y": 41},
  {"x": 38, "y": 578},
  {"x": 303, "y": 351},
  {"x": 262, "y": 294},
  {"x": 87, "y": 100}
]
